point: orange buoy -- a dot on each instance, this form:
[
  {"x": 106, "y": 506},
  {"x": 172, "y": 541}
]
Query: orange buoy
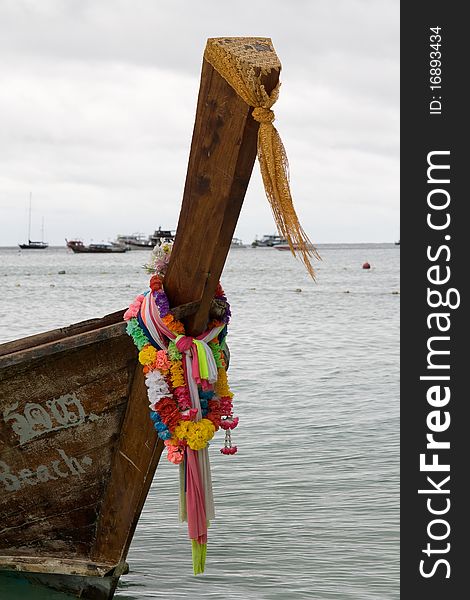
[{"x": 366, "y": 265}]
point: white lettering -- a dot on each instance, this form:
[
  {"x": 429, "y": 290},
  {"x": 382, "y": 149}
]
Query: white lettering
[
  {"x": 43, "y": 473},
  {"x": 61, "y": 413}
]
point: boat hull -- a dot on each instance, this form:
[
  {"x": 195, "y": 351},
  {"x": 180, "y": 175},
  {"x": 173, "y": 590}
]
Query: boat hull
[
  {"x": 78, "y": 454},
  {"x": 147, "y": 247},
  {"x": 89, "y": 587},
  {"x": 85, "y": 250},
  {"x": 33, "y": 246}
]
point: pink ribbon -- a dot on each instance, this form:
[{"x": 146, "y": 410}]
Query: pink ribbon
[
  {"x": 195, "y": 501},
  {"x": 184, "y": 343}
]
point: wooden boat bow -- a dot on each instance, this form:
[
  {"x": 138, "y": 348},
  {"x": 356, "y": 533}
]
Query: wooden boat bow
[{"x": 78, "y": 451}]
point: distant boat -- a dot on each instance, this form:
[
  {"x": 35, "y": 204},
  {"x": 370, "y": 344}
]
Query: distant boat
[
  {"x": 79, "y": 248},
  {"x": 133, "y": 242},
  {"x": 42, "y": 245},
  {"x": 138, "y": 241},
  {"x": 237, "y": 243},
  {"x": 161, "y": 236},
  {"x": 34, "y": 245},
  {"x": 397, "y": 243},
  {"x": 269, "y": 241}
]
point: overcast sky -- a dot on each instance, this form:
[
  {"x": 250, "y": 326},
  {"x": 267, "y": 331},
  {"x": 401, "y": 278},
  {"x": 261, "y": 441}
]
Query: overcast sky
[{"x": 97, "y": 103}]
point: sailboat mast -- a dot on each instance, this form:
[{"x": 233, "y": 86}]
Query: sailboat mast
[{"x": 29, "y": 222}]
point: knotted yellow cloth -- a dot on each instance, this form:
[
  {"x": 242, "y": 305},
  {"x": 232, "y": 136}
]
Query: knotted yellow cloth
[{"x": 241, "y": 62}]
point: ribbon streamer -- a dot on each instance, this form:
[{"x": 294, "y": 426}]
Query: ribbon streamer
[
  {"x": 196, "y": 497},
  {"x": 232, "y": 58}
]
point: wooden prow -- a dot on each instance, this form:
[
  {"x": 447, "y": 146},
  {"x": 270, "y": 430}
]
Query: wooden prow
[
  {"x": 73, "y": 402},
  {"x": 223, "y": 151}
]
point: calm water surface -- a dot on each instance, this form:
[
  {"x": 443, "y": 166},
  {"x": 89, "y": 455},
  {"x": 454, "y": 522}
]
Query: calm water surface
[{"x": 308, "y": 508}]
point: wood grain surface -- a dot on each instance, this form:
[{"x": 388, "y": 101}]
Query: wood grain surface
[{"x": 223, "y": 151}]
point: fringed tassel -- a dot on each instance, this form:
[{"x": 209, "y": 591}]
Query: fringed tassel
[
  {"x": 227, "y": 56},
  {"x": 274, "y": 168}
]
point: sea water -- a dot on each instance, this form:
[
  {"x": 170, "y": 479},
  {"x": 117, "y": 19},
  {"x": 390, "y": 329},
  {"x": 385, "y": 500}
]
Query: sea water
[{"x": 308, "y": 508}]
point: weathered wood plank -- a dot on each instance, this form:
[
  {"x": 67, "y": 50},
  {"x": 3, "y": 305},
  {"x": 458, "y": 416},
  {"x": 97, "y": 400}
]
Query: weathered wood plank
[
  {"x": 68, "y": 537},
  {"x": 56, "y": 334},
  {"x": 223, "y": 151},
  {"x": 60, "y": 420},
  {"x": 134, "y": 464},
  {"x": 57, "y": 489},
  {"x": 90, "y": 362},
  {"x": 63, "y": 344},
  {"x": 48, "y": 414},
  {"x": 64, "y": 391}
]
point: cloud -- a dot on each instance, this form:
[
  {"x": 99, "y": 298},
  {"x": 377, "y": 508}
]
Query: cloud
[{"x": 97, "y": 102}]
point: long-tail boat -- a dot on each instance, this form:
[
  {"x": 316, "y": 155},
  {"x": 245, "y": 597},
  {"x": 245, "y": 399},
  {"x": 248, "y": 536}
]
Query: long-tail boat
[
  {"x": 78, "y": 247},
  {"x": 78, "y": 451}
]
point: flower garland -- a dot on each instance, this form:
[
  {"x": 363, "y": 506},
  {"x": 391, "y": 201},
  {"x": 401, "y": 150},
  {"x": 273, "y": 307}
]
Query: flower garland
[{"x": 188, "y": 392}]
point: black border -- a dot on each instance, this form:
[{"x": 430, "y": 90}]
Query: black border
[{"x": 421, "y": 133}]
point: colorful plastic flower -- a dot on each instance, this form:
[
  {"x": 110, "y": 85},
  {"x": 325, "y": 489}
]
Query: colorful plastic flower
[
  {"x": 134, "y": 308},
  {"x": 161, "y": 361},
  {"x": 172, "y": 412},
  {"x": 175, "y": 452},
  {"x": 162, "y": 303},
  {"x": 155, "y": 283},
  {"x": 173, "y": 352},
  {"x": 147, "y": 355},
  {"x": 221, "y": 386}
]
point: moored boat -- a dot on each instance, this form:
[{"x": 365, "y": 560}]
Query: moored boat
[
  {"x": 236, "y": 243},
  {"x": 135, "y": 241},
  {"x": 161, "y": 236},
  {"x": 139, "y": 241},
  {"x": 268, "y": 241},
  {"x": 31, "y": 245},
  {"x": 80, "y": 248}
]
